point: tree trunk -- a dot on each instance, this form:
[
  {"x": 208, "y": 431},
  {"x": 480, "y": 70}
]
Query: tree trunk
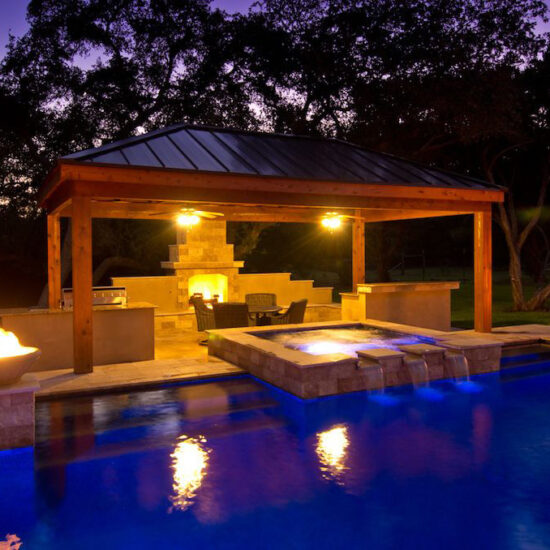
[
  {"x": 539, "y": 299},
  {"x": 516, "y": 238},
  {"x": 516, "y": 283}
]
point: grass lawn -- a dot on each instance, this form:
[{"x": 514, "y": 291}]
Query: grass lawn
[
  {"x": 463, "y": 306},
  {"x": 462, "y": 301}
]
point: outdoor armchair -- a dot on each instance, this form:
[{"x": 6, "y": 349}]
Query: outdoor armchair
[
  {"x": 203, "y": 314},
  {"x": 294, "y": 314},
  {"x": 231, "y": 314},
  {"x": 261, "y": 299}
]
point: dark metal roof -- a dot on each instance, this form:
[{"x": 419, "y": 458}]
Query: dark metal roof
[{"x": 199, "y": 148}]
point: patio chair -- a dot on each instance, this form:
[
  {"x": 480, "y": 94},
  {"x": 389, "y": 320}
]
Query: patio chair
[
  {"x": 204, "y": 316},
  {"x": 231, "y": 314},
  {"x": 261, "y": 299},
  {"x": 294, "y": 315}
]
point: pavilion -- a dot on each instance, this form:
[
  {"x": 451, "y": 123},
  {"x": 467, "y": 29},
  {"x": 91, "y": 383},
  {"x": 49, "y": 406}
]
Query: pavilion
[{"x": 248, "y": 176}]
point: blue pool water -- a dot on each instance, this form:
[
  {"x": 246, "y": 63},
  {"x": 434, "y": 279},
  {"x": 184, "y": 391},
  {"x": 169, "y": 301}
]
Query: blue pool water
[{"x": 238, "y": 464}]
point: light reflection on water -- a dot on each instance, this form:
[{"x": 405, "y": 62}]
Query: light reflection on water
[
  {"x": 331, "y": 449},
  {"x": 259, "y": 465},
  {"x": 340, "y": 340},
  {"x": 189, "y": 465}
]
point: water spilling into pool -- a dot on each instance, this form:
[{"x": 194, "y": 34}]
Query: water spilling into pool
[
  {"x": 341, "y": 340},
  {"x": 237, "y": 464}
]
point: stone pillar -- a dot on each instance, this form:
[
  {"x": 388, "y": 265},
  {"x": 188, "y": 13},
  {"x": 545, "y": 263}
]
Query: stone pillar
[
  {"x": 17, "y": 413},
  {"x": 203, "y": 251}
]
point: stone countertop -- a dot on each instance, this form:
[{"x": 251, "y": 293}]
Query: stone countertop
[
  {"x": 375, "y": 288},
  {"x": 45, "y": 311}
]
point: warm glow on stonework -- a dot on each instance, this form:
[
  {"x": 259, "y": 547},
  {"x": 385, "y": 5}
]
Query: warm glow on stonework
[
  {"x": 332, "y": 450},
  {"x": 10, "y": 346},
  {"x": 189, "y": 465}
]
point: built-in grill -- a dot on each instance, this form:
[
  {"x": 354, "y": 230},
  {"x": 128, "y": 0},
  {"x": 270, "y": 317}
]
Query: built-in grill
[{"x": 101, "y": 296}]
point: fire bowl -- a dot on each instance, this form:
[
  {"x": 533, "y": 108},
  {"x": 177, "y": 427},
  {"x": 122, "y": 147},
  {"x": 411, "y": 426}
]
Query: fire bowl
[{"x": 14, "y": 367}]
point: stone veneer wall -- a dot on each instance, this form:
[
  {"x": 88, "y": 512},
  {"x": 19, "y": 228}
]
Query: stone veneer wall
[
  {"x": 205, "y": 251},
  {"x": 17, "y": 413},
  {"x": 186, "y": 319}
]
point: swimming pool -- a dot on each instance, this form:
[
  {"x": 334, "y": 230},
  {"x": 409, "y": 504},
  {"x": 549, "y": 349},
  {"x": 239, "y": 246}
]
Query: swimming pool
[{"x": 240, "y": 464}]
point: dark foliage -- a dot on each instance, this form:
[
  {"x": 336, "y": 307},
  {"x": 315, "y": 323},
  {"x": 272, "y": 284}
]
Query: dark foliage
[{"x": 459, "y": 83}]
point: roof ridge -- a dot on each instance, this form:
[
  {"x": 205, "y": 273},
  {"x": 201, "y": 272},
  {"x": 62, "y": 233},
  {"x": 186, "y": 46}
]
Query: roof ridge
[
  {"x": 126, "y": 141},
  {"x": 187, "y": 126}
]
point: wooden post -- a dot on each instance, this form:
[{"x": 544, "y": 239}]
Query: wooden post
[
  {"x": 483, "y": 319},
  {"x": 82, "y": 285},
  {"x": 54, "y": 262},
  {"x": 358, "y": 252}
]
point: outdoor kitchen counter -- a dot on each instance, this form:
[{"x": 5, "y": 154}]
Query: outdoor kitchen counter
[
  {"x": 421, "y": 304},
  {"x": 121, "y": 333}
]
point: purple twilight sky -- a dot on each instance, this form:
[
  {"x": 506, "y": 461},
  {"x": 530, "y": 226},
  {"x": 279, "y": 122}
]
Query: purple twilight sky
[{"x": 12, "y": 16}]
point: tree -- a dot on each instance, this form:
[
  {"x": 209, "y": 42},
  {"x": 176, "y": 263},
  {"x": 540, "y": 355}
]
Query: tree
[
  {"x": 446, "y": 82},
  {"x": 93, "y": 71},
  {"x": 457, "y": 83}
]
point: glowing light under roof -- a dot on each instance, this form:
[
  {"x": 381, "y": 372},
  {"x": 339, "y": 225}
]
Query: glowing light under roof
[
  {"x": 331, "y": 221},
  {"x": 187, "y": 219}
]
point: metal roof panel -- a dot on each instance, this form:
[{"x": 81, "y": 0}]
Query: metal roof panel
[
  {"x": 196, "y": 153},
  {"x": 199, "y": 148},
  {"x": 232, "y": 161},
  {"x": 141, "y": 155}
]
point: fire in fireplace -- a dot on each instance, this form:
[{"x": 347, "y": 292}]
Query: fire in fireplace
[{"x": 209, "y": 286}]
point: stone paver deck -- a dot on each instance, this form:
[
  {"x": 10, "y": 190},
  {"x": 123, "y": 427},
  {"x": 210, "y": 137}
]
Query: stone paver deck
[
  {"x": 179, "y": 358},
  {"x": 123, "y": 376}
]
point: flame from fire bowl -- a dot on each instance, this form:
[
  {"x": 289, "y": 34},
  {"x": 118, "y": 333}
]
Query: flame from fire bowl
[{"x": 13, "y": 368}]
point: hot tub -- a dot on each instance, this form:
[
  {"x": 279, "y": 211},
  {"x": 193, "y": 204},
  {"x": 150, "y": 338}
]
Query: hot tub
[{"x": 319, "y": 359}]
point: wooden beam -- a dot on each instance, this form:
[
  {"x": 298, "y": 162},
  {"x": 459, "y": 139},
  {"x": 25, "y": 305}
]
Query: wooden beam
[
  {"x": 213, "y": 183},
  {"x": 82, "y": 285},
  {"x": 111, "y": 208},
  {"x": 483, "y": 272},
  {"x": 386, "y": 215},
  {"x": 358, "y": 251},
  {"x": 54, "y": 262},
  {"x": 246, "y": 212},
  {"x": 159, "y": 193}
]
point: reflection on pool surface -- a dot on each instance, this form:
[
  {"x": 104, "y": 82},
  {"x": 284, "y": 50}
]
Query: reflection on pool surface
[
  {"x": 237, "y": 464},
  {"x": 190, "y": 459},
  {"x": 340, "y": 340}
]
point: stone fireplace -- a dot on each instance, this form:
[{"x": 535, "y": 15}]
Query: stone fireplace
[{"x": 202, "y": 261}]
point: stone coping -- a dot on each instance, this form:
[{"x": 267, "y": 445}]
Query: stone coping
[
  {"x": 131, "y": 376},
  {"x": 469, "y": 343},
  {"x": 458, "y": 340},
  {"x": 247, "y": 336},
  {"x": 421, "y": 349},
  {"x": 27, "y": 383},
  {"x": 377, "y": 288},
  {"x": 197, "y": 264},
  {"x": 379, "y": 353}
]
